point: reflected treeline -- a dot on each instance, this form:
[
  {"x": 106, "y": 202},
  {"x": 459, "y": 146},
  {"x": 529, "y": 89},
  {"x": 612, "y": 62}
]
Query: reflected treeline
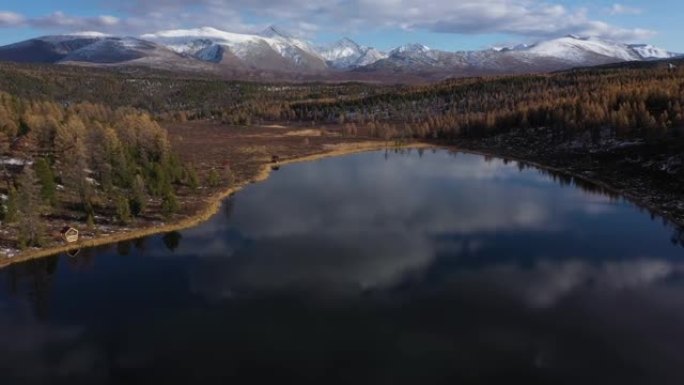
[
  {"x": 33, "y": 281},
  {"x": 405, "y": 151},
  {"x": 678, "y": 237},
  {"x": 172, "y": 240},
  {"x": 561, "y": 178},
  {"x": 228, "y": 207},
  {"x": 125, "y": 248},
  {"x": 565, "y": 179}
]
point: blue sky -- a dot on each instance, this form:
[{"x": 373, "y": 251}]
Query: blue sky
[{"x": 443, "y": 24}]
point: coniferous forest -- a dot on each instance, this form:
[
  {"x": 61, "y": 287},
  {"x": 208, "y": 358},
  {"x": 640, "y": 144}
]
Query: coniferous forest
[{"x": 91, "y": 143}]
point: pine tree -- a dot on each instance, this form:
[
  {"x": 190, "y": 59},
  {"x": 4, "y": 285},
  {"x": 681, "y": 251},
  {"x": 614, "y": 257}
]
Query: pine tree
[
  {"x": 138, "y": 200},
  {"x": 214, "y": 179},
  {"x": 3, "y": 211},
  {"x": 192, "y": 178},
  {"x": 169, "y": 204},
  {"x": 30, "y": 228},
  {"x": 12, "y": 208},
  {"x": 48, "y": 187},
  {"x": 123, "y": 210}
]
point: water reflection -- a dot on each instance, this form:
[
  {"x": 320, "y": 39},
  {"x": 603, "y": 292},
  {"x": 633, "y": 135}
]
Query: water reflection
[
  {"x": 387, "y": 267},
  {"x": 172, "y": 240}
]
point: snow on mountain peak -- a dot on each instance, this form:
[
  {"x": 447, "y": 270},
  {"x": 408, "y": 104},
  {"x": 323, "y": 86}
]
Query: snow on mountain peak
[
  {"x": 413, "y": 48},
  {"x": 347, "y": 42},
  {"x": 579, "y": 49},
  {"x": 276, "y": 32},
  {"x": 93, "y": 34},
  {"x": 196, "y": 42},
  {"x": 346, "y": 53},
  {"x": 647, "y": 51}
]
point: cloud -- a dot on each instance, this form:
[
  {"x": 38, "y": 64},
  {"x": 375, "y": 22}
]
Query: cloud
[
  {"x": 547, "y": 283},
  {"x": 518, "y": 17},
  {"x": 58, "y": 21},
  {"x": 10, "y": 19},
  {"x": 619, "y": 9}
]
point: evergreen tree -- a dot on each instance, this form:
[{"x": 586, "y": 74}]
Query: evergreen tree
[
  {"x": 12, "y": 208},
  {"x": 30, "y": 228},
  {"x": 138, "y": 200},
  {"x": 192, "y": 178},
  {"x": 214, "y": 179},
  {"x": 123, "y": 210},
  {"x": 169, "y": 204},
  {"x": 47, "y": 181}
]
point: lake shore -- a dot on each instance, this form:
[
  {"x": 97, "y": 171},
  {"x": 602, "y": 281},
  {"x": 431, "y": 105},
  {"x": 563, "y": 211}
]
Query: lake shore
[
  {"x": 211, "y": 204},
  {"x": 657, "y": 199},
  {"x": 615, "y": 170}
]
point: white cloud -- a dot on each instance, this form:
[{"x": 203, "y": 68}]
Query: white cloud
[
  {"x": 10, "y": 19},
  {"x": 58, "y": 21},
  {"x": 547, "y": 283},
  {"x": 517, "y": 17},
  {"x": 620, "y": 9}
]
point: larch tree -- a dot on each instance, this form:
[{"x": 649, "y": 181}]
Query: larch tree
[{"x": 30, "y": 209}]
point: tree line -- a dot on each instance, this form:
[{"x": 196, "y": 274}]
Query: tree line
[{"x": 644, "y": 103}]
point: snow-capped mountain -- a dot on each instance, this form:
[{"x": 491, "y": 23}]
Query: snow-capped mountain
[
  {"x": 346, "y": 54},
  {"x": 412, "y": 54},
  {"x": 577, "y": 49},
  {"x": 87, "y": 47},
  {"x": 275, "y": 54},
  {"x": 550, "y": 55},
  {"x": 270, "y": 50},
  {"x": 647, "y": 51}
]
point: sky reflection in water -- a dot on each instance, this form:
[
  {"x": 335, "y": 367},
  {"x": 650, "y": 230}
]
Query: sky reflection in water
[{"x": 376, "y": 267}]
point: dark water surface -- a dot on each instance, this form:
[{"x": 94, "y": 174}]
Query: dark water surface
[{"x": 373, "y": 268}]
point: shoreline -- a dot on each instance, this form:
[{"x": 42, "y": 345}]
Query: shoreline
[
  {"x": 214, "y": 202},
  {"x": 212, "y": 206},
  {"x": 636, "y": 199}
]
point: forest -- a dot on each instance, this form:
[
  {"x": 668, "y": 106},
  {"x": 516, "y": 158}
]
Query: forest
[
  {"x": 629, "y": 101},
  {"x": 83, "y": 161},
  {"x": 94, "y": 147}
]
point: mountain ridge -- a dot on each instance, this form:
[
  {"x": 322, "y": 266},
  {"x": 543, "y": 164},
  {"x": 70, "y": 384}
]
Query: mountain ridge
[{"x": 276, "y": 51}]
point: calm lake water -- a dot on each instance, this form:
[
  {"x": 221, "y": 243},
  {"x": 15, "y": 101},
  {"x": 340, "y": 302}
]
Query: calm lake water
[{"x": 415, "y": 267}]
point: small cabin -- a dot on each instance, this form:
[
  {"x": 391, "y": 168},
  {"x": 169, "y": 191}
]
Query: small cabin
[
  {"x": 275, "y": 159},
  {"x": 671, "y": 66},
  {"x": 69, "y": 234}
]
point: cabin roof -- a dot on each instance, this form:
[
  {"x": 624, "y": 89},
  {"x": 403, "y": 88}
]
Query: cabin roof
[{"x": 67, "y": 229}]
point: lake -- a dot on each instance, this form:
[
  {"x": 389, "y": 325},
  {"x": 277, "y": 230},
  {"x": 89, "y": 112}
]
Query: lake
[{"x": 382, "y": 267}]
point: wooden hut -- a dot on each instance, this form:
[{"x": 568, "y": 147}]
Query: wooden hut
[{"x": 69, "y": 234}]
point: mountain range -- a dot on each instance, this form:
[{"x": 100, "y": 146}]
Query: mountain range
[{"x": 279, "y": 53}]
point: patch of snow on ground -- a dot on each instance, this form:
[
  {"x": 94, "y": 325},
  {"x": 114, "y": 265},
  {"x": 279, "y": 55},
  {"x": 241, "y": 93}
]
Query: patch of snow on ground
[
  {"x": 15, "y": 162},
  {"x": 8, "y": 253}
]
